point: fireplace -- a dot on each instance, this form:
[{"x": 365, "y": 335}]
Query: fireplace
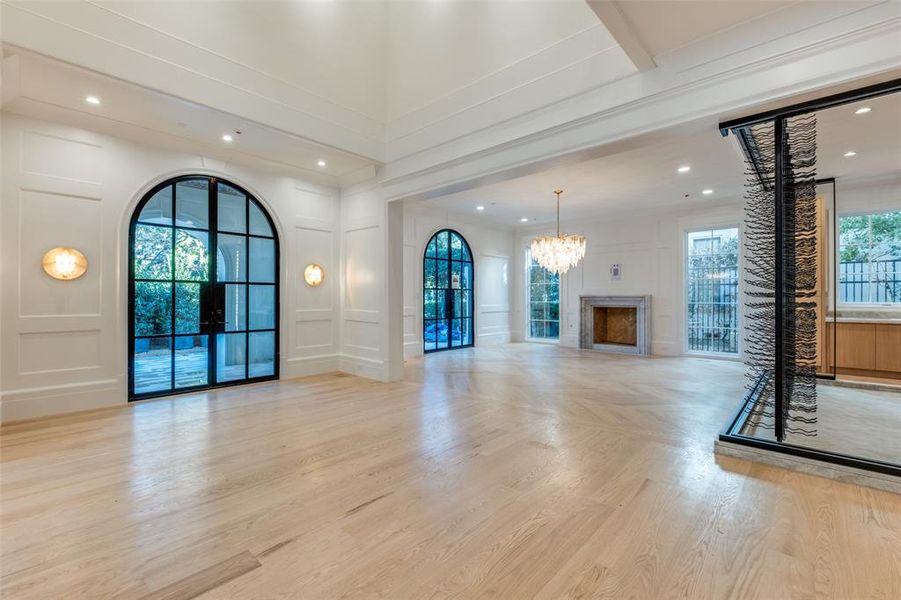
[{"x": 615, "y": 324}]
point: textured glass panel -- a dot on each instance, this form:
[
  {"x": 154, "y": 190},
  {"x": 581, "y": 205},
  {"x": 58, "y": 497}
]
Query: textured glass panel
[
  {"x": 232, "y": 208},
  {"x": 429, "y": 279},
  {"x": 235, "y": 308},
  {"x": 429, "y": 304},
  {"x": 231, "y": 259},
  {"x": 262, "y": 260},
  {"x": 262, "y": 307},
  {"x": 262, "y": 354},
  {"x": 443, "y": 244},
  {"x": 466, "y": 326},
  {"x": 429, "y": 336},
  {"x": 192, "y": 203},
  {"x": 432, "y": 249},
  {"x": 231, "y": 355},
  {"x": 191, "y": 360},
  {"x": 436, "y": 332},
  {"x": 456, "y": 275},
  {"x": 442, "y": 278},
  {"x": 153, "y": 252},
  {"x": 159, "y": 208},
  {"x": 191, "y": 255},
  {"x": 456, "y": 333},
  {"x": 187, "y": 308},
  {"x": 153, "y": 308},
  {"x": 153, "y": 365},
  {"x": 259, "y": 224},
  {"x": 456, "y": 246},
  {"x": 466, "y": 283}
]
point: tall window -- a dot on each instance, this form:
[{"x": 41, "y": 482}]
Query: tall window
[
  {"x": 544, "y": 302},
  {"x": 712, "y": 288},
  {"x": 870, "y": 258}
]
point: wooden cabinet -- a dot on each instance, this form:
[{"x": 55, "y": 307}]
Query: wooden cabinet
[
  {"x": 868, "y": 349},
  {"x": 855, "y": 346},
  {"x": 888, "y": 347}
]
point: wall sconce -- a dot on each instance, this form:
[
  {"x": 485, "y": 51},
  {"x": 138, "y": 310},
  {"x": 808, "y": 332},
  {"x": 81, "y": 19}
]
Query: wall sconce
[
  {"x": 313, "y": 275},
  {"x": 64, "y": 263}
]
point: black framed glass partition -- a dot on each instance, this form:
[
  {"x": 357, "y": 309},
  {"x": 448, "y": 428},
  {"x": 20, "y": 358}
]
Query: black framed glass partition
[
  {"x": 203, "y": 289},
  {"x": 823, "y": 245}
]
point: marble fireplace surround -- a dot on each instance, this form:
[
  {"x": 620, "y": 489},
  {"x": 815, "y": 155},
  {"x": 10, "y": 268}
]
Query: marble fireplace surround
[{"x": 642, "y": 304}]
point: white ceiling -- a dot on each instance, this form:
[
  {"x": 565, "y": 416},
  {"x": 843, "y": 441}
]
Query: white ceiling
[
  {"x": 643, "y": 175},
  {"x": 694, "y": 31},
  {"x": 366, "y": 76},
  {"x": 875, "y": 136},
  {"x": 41, "y": 87}
]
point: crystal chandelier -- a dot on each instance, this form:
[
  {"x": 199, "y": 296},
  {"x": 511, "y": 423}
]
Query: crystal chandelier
[{"x": 558, "y": 254}]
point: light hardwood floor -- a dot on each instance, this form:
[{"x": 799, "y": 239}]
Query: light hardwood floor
[{"x": 513, "y": 472}]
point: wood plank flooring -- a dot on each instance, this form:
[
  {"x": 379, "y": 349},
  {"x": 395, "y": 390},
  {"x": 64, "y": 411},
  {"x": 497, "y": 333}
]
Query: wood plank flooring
[{"x": 522, "y": 471}]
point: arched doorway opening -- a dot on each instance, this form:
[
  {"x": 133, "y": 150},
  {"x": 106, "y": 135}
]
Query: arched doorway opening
[
  {"x": 448, "y": 280},
  {"x": 203, "y": 292}
]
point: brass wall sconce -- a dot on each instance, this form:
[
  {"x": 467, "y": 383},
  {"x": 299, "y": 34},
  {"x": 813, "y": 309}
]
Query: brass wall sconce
[
  {"x": 313, "y": 275},
  {"x": 64, "y": 263}
]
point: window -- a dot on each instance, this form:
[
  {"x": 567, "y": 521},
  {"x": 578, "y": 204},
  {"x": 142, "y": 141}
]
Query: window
[
  {"x": 712, "y": 301},
  {"x": 870, "y": 259},
  {"x": 544, "y": 302}
]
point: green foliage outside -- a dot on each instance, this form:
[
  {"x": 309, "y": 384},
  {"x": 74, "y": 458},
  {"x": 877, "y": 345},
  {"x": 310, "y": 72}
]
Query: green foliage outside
[{"x": 154, "y": 259}]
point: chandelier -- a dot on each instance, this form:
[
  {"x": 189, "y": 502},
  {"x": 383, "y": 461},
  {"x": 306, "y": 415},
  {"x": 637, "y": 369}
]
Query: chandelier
[{"x": 558, "y": 254}]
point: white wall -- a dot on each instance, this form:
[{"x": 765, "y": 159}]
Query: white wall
[
  {"x": 650, "y": 248},
  {"x": 492, "y": 249},
  {"x": 64, "y": 343}
]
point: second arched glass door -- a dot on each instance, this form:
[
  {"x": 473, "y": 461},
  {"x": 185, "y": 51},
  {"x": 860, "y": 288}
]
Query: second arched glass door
[
  {"x": 447, "y": 298},
  {"x": 203, "y": 289}
]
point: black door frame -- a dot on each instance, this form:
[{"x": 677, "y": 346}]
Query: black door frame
[
  {"x": 211, "y": 290},
  {"x": 449, "y": 298}
]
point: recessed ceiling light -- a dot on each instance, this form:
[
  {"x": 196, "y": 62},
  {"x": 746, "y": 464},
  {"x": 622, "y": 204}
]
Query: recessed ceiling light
[
  {"x": 480, "y": 207},
  {"x": 850, "y": 153},
  {"x": 862, "y": 110},
  {"x": 707, "y": 192},
  {"x": 321, "y": 163},
  {"x": 226, "y": 137},
  {"x": 525, "y": 219},
  {"x": 92, "y": 100},
  {"x": 684, "y": 169}
]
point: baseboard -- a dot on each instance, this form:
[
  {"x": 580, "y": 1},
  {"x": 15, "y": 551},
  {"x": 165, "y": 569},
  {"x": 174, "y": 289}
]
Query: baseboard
[
  {"x": 666, "y": 348},
  {"x": 493, "y": 339},
  {"x": 364, "y": 367},
  {"x": 18, "y": 405},
  {"x": 310, "y": 365}
]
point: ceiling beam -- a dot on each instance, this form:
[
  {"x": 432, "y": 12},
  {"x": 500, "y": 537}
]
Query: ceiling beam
[{"x": 618, "y": 25}]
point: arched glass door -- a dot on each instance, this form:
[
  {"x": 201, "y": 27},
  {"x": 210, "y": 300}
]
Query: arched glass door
[
  {"x": 447, "y": 284},
  {"x": 203, "y": 289}
]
